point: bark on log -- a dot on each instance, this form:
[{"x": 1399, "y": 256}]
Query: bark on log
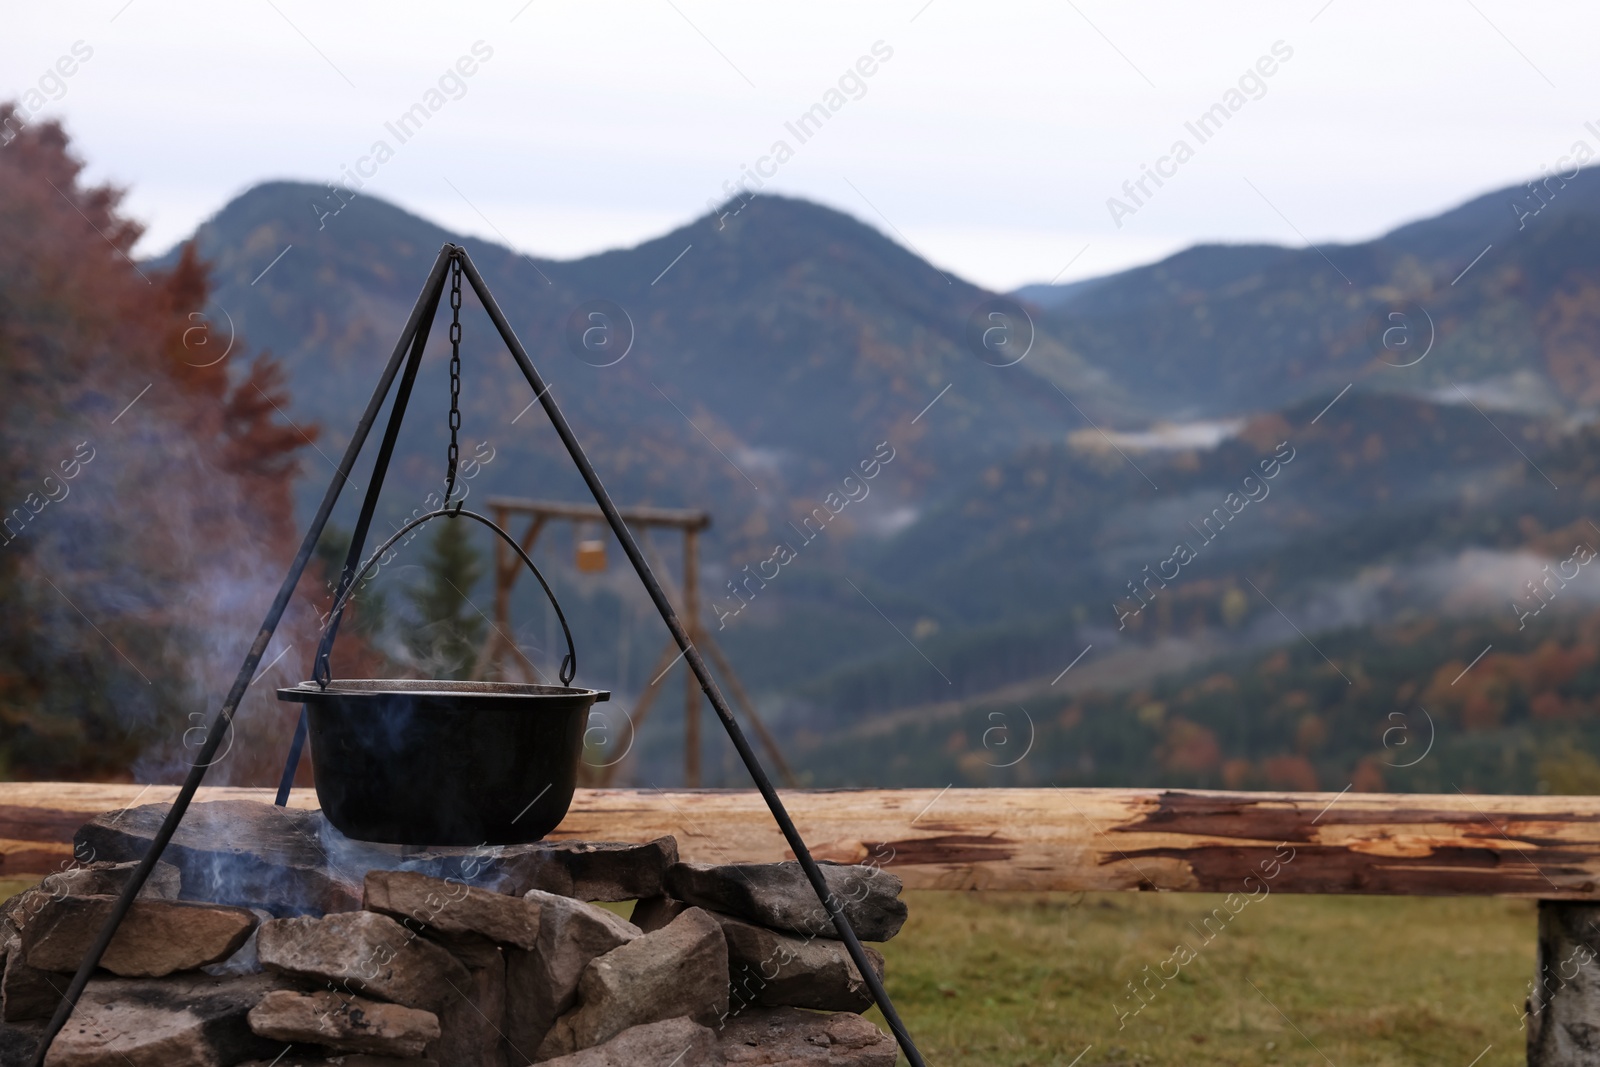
[
  {"x": 1563, "y": 1007},
  {"x": 1032, "y": 839}
]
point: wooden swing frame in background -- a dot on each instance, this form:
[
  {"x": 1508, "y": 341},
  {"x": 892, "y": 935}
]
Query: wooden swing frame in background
[{"x": 493, "y": 661}]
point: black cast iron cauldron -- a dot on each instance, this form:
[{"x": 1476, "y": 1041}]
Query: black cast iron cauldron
[
  {"x": 422, "y": 762},
  {"x": 430, "y": 762}
]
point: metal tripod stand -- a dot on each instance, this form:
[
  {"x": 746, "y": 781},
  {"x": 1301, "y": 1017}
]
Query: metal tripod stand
[{"x": 412, "y": 340}]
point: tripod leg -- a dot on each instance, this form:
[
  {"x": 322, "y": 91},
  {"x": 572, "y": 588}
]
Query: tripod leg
[
  {"x": 697, "y": 664},
  {"x": 691, "y": 695},
  {"x": 292, "y": 763}
]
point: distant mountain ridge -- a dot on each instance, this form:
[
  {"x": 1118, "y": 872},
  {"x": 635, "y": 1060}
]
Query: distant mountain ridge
[
  {"x": 769, "y": 356},
  {"x": 774, "y": 329},
  {"x": 1494, "y": 284},
  {"x": 772, "y": 353}
]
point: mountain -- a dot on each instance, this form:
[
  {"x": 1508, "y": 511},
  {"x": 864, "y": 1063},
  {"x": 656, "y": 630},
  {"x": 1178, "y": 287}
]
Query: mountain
[
  {"x": 1054, "y": 545},
  {"x": 795, "y": 338},
  {"x": 1318, "y": 621},
  {"x": 1051, "y": 295},
  {"x": 1502, "y": 286},
  {"x": 774, "y": 350},
  {"x": 1419, "y": 398}
]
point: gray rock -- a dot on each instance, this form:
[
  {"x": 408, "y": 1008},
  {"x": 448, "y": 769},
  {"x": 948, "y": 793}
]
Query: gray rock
[
  {"x": 239, "y": 852},
  {"x": 1561, "y": 1008},
  {"x": 292, "y": 862},
  {"x": 589, "y": 870},
  {"x": 344, "y": 1023},
  {"x": 19, "y": 1043},
  {"x": 681, "y": 969},
  {"x": 109, "y": 879},
  {"x": 788, "y": 1037},
  {"x": 94, "y": 879},
  {"x": 584, "y": 870},
  {"x": 777, "y": 970},
  {"x": 779, "y": 895},
  {"x": 156, "y": 938},
  {"x": 190, "y": 1020},
  {"x": 680, "y": 1042},
  {"x": 473, "y": 1018},
  {"x": 652, "y": 913},
  {"x": 29, "y": 993},
  {"x": 452, "y": 908},
  {"x": 356, "y": 1059},
  {"x": 543, "y": 984},
  {"x": 245, "y": 959},
  {"x": 15, "y": 910},
  {"x": 362, "y": 953},
  {"x": 26, "y": 993}
]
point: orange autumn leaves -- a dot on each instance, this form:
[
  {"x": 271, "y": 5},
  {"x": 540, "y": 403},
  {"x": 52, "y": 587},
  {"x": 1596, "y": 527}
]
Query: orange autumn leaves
[{"x": 128, "y": 599}]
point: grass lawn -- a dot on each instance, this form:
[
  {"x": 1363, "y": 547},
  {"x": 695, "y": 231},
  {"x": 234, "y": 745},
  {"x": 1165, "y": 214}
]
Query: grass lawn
[{"x": 1009, "y": 979}]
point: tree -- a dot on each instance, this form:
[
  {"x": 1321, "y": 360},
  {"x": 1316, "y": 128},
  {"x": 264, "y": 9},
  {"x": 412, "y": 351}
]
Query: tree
[
  {"x": 451, "y": 629},
  {"x": 363, "y": 631},
  {"x": 147, "y": 492}
]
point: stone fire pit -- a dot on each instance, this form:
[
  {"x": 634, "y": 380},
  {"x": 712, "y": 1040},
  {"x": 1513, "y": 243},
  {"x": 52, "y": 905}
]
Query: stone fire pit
[{"x": 265, "y": 937}]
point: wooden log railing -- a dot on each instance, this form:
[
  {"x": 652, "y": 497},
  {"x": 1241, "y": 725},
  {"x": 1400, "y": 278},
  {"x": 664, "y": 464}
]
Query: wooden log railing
[{"x": 1544, "y": 848}]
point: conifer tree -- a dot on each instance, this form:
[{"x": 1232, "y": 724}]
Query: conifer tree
[{"x": 450, "y": 630}]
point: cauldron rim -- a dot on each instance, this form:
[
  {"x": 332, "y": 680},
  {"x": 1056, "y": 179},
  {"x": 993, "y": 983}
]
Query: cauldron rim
[{"x": 476, "y": 693}]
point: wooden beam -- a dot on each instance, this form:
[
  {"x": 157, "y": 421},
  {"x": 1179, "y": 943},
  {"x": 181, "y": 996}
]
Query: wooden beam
[
  {"x": 1036, "y": 839},
  {"x": 635, "y": 516}
]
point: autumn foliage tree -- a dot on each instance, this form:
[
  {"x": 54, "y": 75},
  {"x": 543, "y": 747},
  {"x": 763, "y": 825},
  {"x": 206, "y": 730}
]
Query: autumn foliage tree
[{"x": 145, "y": 473}]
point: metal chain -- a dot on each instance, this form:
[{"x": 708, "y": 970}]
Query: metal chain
[{"x": 455, "y": 377}]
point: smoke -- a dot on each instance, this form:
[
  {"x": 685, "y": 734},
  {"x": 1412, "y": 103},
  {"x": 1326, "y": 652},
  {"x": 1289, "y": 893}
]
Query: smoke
[
  {"x": 156, "y": 572},
  {"x": 288, "y": 861}
]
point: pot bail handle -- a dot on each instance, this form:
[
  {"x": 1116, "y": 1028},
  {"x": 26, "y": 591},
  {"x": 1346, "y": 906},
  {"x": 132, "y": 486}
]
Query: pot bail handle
[{"x": 322, "y": 673}]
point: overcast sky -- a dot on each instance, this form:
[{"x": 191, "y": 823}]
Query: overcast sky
[{"x": 989, "y": 139}]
